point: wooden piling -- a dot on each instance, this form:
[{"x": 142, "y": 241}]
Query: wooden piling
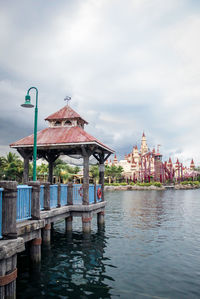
[
  {"x": 9, "y": 209},
  {"x": 86, "y": 222},
  {"x": 46, "y": 234},
  {"x": 100, "y": 219},
  {"x": 68, "y": 224},
  {"x": 8, "y": 275},
  {"x": 35, "y": 249}
]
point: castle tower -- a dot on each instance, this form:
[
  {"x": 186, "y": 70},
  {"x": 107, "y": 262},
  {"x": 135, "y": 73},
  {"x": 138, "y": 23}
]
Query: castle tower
[
  {"x": 144, "y": 147},
  {"x": 115, "y": 162},
  {"x": 192, "y": 165}
]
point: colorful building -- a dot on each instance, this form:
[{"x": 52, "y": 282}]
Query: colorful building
[{"x": 144, "y": 165}]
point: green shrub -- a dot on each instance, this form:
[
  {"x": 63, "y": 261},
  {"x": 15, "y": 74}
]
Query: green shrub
[
  {"x": 192, "y": 183},
  {"x": 157, "y": 184}
]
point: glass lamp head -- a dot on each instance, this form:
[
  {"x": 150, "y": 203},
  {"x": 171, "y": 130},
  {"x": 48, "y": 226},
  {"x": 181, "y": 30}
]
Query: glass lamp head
[{"x": 27, "y": 103}]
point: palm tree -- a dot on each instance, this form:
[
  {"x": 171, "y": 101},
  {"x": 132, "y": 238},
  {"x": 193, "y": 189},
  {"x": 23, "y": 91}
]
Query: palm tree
[
  {"x": 63, "y": 171},
  {"x": 12, "y": 167},
  {"x": 42, "y": 170},
  {"x": 113, "y": 172}
]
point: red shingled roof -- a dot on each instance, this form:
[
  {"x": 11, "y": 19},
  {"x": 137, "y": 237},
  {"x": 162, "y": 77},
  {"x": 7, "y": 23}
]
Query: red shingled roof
[
  {"x": 60, "y": 135},
  {"x": 65, "y": 113}
]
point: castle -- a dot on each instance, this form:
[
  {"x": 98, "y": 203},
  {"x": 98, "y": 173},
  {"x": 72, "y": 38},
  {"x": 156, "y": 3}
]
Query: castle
[{"x": 144, "y": 164}]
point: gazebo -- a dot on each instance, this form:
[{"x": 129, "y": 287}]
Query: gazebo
[{"x": 65, "y": 136}]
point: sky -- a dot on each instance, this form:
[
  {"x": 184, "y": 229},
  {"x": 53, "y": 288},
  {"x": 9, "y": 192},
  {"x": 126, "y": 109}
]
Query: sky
[{"x": 129, "y": 65}]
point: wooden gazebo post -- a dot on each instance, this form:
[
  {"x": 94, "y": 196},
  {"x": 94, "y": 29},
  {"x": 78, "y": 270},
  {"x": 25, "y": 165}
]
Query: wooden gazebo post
[
  {"x": 86, "y": 217},
  {"x": 101, "y": 158},
  {"x": 27, "y": 155}
]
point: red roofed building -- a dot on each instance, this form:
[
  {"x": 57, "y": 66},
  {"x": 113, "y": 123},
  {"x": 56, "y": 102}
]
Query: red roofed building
[{"x": 64, "y": 136}]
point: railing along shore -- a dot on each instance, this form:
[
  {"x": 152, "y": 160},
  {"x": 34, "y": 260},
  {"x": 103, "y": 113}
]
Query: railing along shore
[{"x": 59, "y": 195}]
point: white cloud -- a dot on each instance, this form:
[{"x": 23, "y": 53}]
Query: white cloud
[{"x": 128, "y": 65}]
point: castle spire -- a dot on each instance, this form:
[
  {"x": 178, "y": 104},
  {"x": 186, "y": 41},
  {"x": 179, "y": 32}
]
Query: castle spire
[{"x": 144, "y": 147}]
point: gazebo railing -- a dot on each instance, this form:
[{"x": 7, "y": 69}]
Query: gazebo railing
[
  {"x": 53, "y": 196},
  {"x": 24, "y": 194},
  {"x": 63, "y": 194},
  {"x": 1, "y": 191},
  {"x": 91, "y": 194},
  {"x": 77, "y": 194}
]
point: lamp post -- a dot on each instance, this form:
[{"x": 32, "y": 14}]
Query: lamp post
[{"x": 28, "y": 104}]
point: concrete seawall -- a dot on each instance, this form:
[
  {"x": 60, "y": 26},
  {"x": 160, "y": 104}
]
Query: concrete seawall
[{"x": 142, "y": 188}]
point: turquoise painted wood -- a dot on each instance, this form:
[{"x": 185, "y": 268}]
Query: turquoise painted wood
[
  {"x": 63, "y": 194},
  {"x": 42, "y": 197},
  {"x": 1, "y": 191},
  {"x": 77, "y": 194},
  {"x": 53, "y": 196},
  {"x": 24, "y": 194},
  {"x": 91, "y": 194}
]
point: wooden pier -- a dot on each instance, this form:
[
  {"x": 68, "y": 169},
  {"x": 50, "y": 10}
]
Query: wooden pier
[
  {"x": 32, "y": 226},
  {"x": 29, "y": 211}
]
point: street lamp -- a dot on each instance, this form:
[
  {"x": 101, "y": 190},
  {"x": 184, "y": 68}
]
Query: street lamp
[{"x": 28, "y": 104}]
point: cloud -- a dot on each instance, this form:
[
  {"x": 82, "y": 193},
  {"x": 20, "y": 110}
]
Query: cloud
[{"x": 128, "y": 65}]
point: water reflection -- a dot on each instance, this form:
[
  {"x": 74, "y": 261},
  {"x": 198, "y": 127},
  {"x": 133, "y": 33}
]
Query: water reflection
[
  {"x": 75, "y": 267},
  {"x": 149, "y": 249}
]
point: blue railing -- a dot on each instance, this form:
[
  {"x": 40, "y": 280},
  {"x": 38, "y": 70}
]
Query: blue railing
[
  {"x": 42, "y": 197},
  {"x": 91, "y": 194},
  {"x": 1, "y": 190},
  {"x": 53, "y": 196},
  {"x": 77, "y": 194},
  {"x": 24, "y": 193},
  {"x": 98, "y": 193},
  {"x": 63, "y": 194}
]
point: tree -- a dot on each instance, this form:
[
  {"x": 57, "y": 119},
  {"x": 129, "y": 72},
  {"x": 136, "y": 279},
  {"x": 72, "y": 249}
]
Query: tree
[
  {"x": 12, "y": 167},
  {"x": 63, "y": 171},
  {"x": 94, "y": 172},
  {"x": 2, "y": 165},
  {"x": 42, "y": 170},
  {"x": 113, "y": 172}
]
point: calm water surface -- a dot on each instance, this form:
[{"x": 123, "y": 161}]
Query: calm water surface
[{"x": 150, "y": 248}]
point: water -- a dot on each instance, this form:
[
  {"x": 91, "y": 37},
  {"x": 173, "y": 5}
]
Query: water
[{"x": 149, "y": 249}]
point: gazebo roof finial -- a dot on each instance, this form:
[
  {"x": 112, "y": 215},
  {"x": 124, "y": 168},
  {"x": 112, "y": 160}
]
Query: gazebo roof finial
[{"x": 67, "y": 98}]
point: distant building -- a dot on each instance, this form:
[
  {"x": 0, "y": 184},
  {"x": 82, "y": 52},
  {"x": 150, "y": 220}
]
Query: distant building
[{"x": 144, "y": 164}]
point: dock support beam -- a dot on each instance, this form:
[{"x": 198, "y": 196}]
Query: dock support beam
[
  {"x": 86, "y": 222},
  {"x": 46, "y": 234},
  {"x": 35, "y": 249},
  {"x": 8, "y": 275},
  {"x": 100, "y": 219},
  {"x": 68, "y": 224}
]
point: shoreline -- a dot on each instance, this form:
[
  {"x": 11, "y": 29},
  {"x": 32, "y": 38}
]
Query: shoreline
[{"x": 152, "y": 187}]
